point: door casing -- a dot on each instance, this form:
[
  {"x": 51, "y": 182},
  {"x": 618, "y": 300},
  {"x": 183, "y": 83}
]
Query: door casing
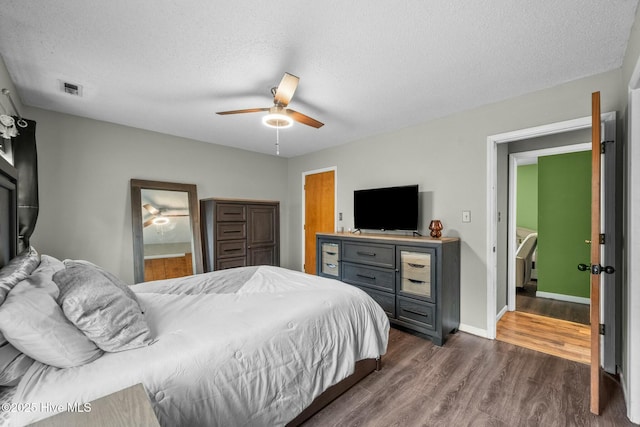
[
  {"x": 303, "y": 198},
  {"x": 492, "y": 211}
]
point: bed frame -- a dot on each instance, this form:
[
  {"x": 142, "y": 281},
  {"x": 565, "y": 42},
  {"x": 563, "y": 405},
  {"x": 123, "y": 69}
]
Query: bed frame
[
  {"x": 362, "y": 369},
  {"x": 9, "y": 245}
]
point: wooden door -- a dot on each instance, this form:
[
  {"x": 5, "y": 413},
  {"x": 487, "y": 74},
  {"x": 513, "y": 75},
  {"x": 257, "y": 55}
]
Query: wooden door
[
  {"x": 319, "y": 213},
  {"x": 595, "y": 253}
]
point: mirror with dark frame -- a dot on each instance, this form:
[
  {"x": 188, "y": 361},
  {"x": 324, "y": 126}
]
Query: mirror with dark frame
[{"x": 166, "y": 230}]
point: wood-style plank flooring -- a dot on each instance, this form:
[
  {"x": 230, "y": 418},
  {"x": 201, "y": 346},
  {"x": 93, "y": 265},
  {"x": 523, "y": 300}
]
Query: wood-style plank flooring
[
  {"x": 527, "y": 301},
  {"x": 551, "y": 336},
  {"x": 472, "y": 381}
]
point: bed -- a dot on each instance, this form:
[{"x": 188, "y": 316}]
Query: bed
[{"x": 246, "y": 346}]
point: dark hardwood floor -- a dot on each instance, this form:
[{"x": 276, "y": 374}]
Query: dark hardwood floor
[
  {"x": 472, "y": 381},
  {"x": 527, "y": 301}
]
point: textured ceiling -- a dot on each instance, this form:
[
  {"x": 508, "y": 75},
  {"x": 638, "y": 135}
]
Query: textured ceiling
[{"x": 365, "y": 67}]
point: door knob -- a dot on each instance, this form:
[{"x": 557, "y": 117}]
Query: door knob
[{"x": 597, "y": 269}]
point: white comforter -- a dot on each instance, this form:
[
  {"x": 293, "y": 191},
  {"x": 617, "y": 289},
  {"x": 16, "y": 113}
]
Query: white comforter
[{"x": 229, "y": 354}]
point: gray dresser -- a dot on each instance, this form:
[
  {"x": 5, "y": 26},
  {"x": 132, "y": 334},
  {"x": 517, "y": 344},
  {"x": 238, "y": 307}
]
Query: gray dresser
[{"x": 416, "y": 280}]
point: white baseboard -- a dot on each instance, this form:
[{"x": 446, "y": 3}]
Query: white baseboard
[
  {"x": 501, "y": 313},
  {"x": 473, "y": 330},
  {"x": 561, "y": 297}
]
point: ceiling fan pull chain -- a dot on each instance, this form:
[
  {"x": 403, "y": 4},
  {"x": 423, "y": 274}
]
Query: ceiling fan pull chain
[{"x": 277, "y": 141}]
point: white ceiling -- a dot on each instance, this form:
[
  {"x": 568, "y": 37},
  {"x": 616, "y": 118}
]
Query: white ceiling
[{"x": 365, "y": 67}]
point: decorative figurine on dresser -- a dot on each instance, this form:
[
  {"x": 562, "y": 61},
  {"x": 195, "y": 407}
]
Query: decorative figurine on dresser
[
  {"x": 416, "y": 280},
  {"x": 238, "y": 233}
]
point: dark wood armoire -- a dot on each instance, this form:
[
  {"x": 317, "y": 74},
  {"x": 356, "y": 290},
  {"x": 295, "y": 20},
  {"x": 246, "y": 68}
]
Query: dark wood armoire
[{"x": 238, "y": 233}]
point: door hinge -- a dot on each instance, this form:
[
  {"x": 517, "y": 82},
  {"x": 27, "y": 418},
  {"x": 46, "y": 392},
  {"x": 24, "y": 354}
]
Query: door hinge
[
  {"x": 601, "y": 328},
  {"x": 602, "y": 146},
  {"x": 602, "y": 239}
]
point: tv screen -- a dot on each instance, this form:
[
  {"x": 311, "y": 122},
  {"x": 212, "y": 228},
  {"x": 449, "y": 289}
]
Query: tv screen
[{"x": 390, "y": 208}]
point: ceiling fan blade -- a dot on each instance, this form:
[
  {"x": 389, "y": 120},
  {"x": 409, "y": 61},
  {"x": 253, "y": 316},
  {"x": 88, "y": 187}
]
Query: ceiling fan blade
[
  {"x": 147, "y": 223},
  {"x": 306, "y": 120},
  {"x": 151, "y": 209},
  {"x": 286, "y": 89},
  {"x": 248, "y": 110}
]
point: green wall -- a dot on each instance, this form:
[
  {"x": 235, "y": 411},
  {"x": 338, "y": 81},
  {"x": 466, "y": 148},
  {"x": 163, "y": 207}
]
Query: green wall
[
  {"x": 527, "y": 197},
  {"x": 564, "y": 223}
]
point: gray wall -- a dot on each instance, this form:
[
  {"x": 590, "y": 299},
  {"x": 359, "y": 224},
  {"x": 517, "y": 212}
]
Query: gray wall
[
  {"x": 85, "y": 167},
  {"x": 447, "y": 158}
]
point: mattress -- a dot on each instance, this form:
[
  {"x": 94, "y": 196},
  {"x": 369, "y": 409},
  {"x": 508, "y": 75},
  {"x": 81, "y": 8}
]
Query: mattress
[{"x": 244, "y": 347}]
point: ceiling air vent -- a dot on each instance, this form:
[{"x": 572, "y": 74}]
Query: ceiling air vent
[{"x": 71, "y": 88}]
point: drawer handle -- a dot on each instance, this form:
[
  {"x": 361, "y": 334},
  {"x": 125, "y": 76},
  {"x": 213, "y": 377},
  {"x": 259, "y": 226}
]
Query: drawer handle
[
  {"x": 331, "y": 253},
  {"x": 366, "y": 276},
  {"x": 416, "y": 281},
  {"x": 416, "y": 265},
  {"x": 416, "y": 312},
  {"x": 366, "y": 253},
  {"x": 232, "y": 250},
  {"x": 231, "y": 231},
  {"x": 331, "y": 265}
]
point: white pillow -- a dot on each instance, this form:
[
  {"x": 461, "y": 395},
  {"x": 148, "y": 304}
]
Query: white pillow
[{"x": 34, "y": 323}]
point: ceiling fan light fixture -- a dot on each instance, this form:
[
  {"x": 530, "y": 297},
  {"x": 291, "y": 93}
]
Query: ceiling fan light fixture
[
  {"x": 277, "y": 120},
  {"x": 160, "y": 220}
]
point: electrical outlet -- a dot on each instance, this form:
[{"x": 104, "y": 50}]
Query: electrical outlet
[{"x": 466, "y": 216}]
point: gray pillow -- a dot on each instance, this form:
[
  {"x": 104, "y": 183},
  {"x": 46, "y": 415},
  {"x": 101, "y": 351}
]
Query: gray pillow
[
  {"x": 33, "y": 322},
  {"x": 13, "y": 363},
  {"x": 19, "y": 268},
  {"x": 100, "y": 307},
  {"x": 115, "y": 280}
]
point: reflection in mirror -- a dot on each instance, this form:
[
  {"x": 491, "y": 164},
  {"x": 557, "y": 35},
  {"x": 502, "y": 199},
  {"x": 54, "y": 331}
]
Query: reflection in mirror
[{"x": 166, "y": 236}]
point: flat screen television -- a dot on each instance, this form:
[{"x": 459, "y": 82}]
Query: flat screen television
[{"x": 390, "y": 208}]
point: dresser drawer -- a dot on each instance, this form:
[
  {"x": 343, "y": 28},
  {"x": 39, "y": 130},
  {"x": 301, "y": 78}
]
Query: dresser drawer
[
  {"x": 231, "y": 248},
  {"x": 330, "y": 248},
  {"x": 231, "y": 230},
  {"x": 378, "y": 255},
  {"x": 231, "y": 212},
  {"x": 374, "y": 277},
  {"x": 416, "y": 312},
  {"x": 418, "y": 288},
  {"x": 331, "y": 268},
  {"x": 415, "y": 265},
  {"x": 331, "y": 257},
  {"x": 420, "y": 259},
  {"x": 225, "y": 263},
  {"x": 384, "y": 300}
]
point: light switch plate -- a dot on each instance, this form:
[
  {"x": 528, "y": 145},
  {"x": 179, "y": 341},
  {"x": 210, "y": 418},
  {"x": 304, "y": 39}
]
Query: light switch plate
[{"x": 466, "y": 216}]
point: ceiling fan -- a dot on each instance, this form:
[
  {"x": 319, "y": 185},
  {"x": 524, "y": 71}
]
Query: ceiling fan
[
  {"x": 157, "y": 217},
  {"x": 279, "y": 116}
]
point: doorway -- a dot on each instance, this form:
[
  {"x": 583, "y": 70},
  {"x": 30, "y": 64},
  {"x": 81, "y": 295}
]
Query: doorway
[
  {"x": 548, "y": 230},
  {"x": 319, "y": 213}
]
